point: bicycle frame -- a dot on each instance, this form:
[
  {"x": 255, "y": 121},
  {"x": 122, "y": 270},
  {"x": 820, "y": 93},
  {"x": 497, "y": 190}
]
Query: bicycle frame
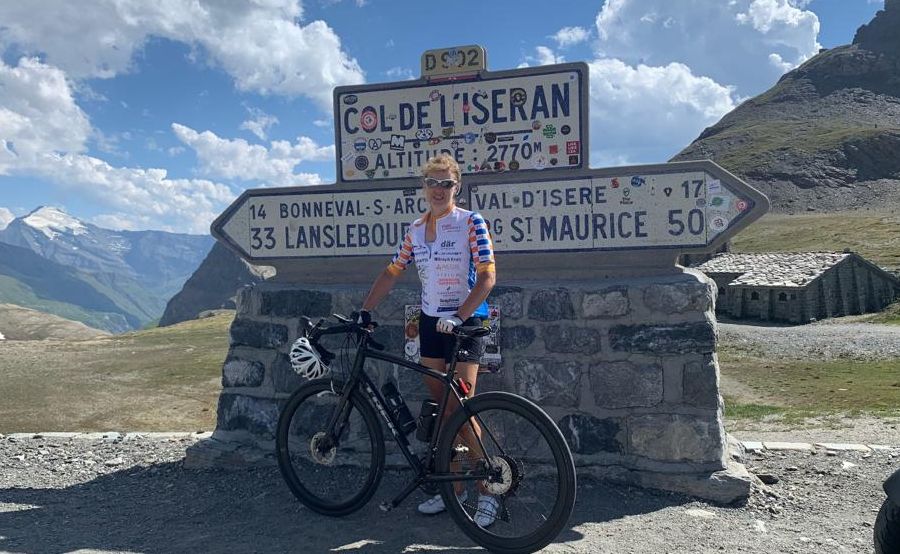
[{"x": 359, "y": 378}]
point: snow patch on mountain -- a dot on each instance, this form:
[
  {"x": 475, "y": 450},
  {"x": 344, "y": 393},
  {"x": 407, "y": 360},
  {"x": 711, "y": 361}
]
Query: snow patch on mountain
[
  {"x": 6, "y": 218},
  {"x": 52, "y": 222}
]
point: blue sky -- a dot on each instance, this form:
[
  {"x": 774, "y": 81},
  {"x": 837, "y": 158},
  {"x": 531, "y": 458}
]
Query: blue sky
[{"x": 140, "y": 115}]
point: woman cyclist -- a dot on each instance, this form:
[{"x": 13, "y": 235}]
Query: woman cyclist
[{"x": 452, "y": 250}]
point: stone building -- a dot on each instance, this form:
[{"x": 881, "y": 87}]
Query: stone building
[{"x": 799, "y": 287}]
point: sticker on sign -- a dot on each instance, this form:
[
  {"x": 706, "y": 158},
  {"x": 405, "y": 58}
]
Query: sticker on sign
[{"x": 520, "y": 120}]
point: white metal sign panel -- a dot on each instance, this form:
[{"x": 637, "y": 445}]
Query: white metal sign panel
[
  {"x": 322, "y": 224},
  {"x": 627, "y": 212},
  {"x": 514, "y": 123}
]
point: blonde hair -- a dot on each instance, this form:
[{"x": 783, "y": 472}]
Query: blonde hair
[{"x": 442, "y": 162}]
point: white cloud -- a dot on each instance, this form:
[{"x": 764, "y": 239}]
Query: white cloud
[
  {"x": 399, "y": 73},
  {"x": 43, "y": 133},
  {"x": 238, "y": 159},
  {"x": 568, "y": 36},
  {"x": 260, "y": 123},
  {"x": 730, "y": 42},
  {"x": 6, "y": 216},
  {"x": 322, "y": 122},
  {"x": 543, "y": 56},
  {"x": 646, "y": 114},
  {"x": 37, "y": 115},
  {"x": 260, "y": 44}
]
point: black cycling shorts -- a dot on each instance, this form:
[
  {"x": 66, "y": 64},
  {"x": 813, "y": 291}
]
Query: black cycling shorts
[{"x": 433, "y": 344}]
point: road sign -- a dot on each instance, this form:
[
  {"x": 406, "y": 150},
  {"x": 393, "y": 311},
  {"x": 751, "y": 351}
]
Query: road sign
[
  {"x": 456, "y": 60},
  {"x": 683, "y": 207},
  {"x": 666, "y": 206},
  {"x": 514, "y": 121}
]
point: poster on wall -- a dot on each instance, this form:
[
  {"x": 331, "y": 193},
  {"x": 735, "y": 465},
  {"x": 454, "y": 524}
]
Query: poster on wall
[{"x": 491, "y": 360}]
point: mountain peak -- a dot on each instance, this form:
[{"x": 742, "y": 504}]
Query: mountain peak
[
  {"x": 6, "y": 218},
  {"x": 53, "y": 221},
  {"x": 880, "y": 34}
]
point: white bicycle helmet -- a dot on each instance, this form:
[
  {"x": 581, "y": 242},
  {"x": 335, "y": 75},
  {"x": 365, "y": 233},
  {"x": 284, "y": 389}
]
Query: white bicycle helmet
[{"x": 305, "y": 361}]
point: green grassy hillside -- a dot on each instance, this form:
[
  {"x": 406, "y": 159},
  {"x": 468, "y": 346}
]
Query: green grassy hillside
[
  {"x": 155, "y": 380},
  {"x": 875, "y": 236}
]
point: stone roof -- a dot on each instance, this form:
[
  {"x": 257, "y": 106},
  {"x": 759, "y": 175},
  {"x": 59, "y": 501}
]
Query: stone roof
[{"x": 774, "y": 269}]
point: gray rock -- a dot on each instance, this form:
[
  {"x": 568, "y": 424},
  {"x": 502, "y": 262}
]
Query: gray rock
[
  {"x": 590, "y": 435},
  {"x": 571, "y": 339},
  {"x": 551, "y": 305},
  {"x": 673, "y": 437},
  {"x": 257, "y": 334},
  {"x": 294, "y": 302},
  {"x": 517, "y": 337},
  {"x": 256, "y": 415},
  {"x": 626, "y": 385},
  {"x": 701, "y": 383},
  {"x": 284, "y": 379},
  {"x": 239, "y": 372},
  {"x": 508, "y": 299},
  {"x": 612, "y": 302},
  {"x": 664, "y": 339},
  {"x": 679, "y": 297},
  {"x": 549, "y": 382}
]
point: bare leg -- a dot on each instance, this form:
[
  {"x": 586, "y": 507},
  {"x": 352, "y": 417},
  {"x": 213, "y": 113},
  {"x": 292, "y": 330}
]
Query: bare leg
[{"x": 468, "y": 372}]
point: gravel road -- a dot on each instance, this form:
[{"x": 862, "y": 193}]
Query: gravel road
[
  {"x": 858, "y": 341},
  {"x": 63, "y": 495}
]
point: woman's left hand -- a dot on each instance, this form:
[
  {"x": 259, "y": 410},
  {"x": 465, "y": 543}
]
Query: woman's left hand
[{"x": 448, "y": 324}]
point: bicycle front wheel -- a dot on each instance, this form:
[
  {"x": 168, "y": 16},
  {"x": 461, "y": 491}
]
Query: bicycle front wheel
[
  {"x": 530, "y": 493},
  {"x": 332, "y": 476}
]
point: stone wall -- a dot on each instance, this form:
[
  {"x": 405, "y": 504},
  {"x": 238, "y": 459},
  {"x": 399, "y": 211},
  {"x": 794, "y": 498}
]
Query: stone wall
[{"x": 627, "y": 368}]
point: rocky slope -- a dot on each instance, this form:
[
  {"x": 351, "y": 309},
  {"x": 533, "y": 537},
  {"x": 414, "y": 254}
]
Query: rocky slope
[
  {"x": 827, "y": 135},
  {"x": 213, "y": 286}
]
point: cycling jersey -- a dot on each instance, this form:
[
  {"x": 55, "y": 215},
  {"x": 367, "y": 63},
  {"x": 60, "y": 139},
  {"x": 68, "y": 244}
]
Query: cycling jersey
[{"x": 447, "y": 267}]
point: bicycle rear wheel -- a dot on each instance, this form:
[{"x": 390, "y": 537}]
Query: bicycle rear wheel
[
  {"x": 533, "y": 480},
  {"x": 333, "y": 478}
]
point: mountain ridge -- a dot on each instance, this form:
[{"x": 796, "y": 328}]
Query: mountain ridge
[
  {"x": 136, "y": 271},
  {"x": 826, "y": 136}
]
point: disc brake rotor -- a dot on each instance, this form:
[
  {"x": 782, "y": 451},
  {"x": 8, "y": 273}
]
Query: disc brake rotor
[
  {"x": 507, "y": 474},
  {"x": 320, "y": 454}
]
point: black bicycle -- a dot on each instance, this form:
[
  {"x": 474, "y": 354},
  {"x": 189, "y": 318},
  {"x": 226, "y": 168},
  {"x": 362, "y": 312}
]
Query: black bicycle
[{"x": 331, "y": 449}]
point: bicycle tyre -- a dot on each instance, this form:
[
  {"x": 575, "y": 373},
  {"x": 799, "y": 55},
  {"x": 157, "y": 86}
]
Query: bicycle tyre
[
  {"x": 886, "y": 532},
  {"x": 307, "y": 410},
  {"x": 501, "y": 414}
]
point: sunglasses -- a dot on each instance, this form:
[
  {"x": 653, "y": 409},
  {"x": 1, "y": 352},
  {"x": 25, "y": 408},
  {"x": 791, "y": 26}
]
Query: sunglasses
[{"x": 431, "y": 183}]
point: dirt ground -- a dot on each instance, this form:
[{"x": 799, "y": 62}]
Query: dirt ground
[{"x": 135, "y": 496}]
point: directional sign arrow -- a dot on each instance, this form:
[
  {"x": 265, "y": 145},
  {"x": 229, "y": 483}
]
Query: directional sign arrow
[{"x": 680, "y": 207}]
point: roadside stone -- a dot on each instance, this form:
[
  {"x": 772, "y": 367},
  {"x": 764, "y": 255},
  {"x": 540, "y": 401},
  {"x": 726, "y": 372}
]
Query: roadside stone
[
  {"x": 509, "y": 300},
  {"x": 517, "y": 337},
  {"x": 569, "y": 339},
  {"x": 626, "y": 385},
  {"x": 608, "y": 303},
  {"x": 294, "y": 302},
  {"x": 247, "y": 332},
  {"x": 551, "y": 305},
  {"x": 767, "y": 478},
  {"x": 664, "y": 339},
  {"x": 548, "y": 381},
  {"x": 239, "y": 372},
  {"x": 752, "y": 446},
  {"x": 114, "y": 462},
  {"x": 843, "y": 447},
  {"x": 678, "y": 297},
  {"x": 590, "y": 435},
  {"x": 672, "y": 437},
  {"x": 778, "y": 445}
]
